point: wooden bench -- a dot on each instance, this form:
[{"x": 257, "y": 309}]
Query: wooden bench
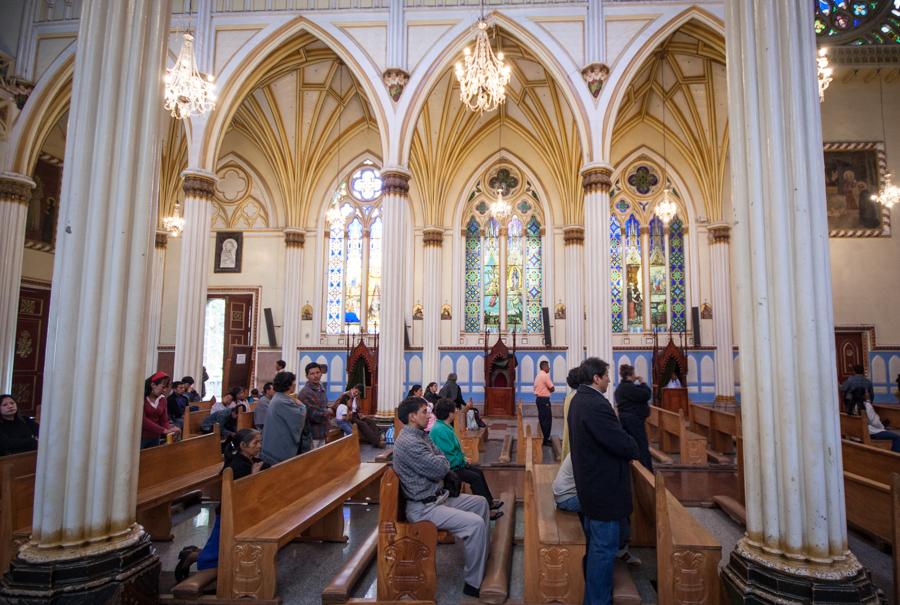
[
  {"x": 169, "y": 471},
  {"x": 735, "y": 507},
  {"x": 202, "y": 405},
  {"x": 687, "y": 555},
  {"x": 555, "y": 545},
  {"x": 505, "y": 450},
  {"x": 857, "y": 429},
  {"x": 16, "y": 510},
  {"x": 528, "y": 429},
  {"x": 263, "y": 512},
  {"x": 471, "y": 442},
  {"x": 192, "y": 422},
  {"x": 720, "y": 428},
  {"x": 245, "y": 420},
  {"x": 867, "y": 488},
  {"x": 891, "y": 413},
  {"x": 674, "y": 437}
]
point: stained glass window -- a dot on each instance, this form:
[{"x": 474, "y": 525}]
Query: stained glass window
[
  {"x": 858, "y": 22},
  {"x": 634, "y": 278},
  {"x": 504, "y": 272},
  {"x": 615, "y": 272},
  {"x": 676, "y": 275},
  {"x": 354, "y": 255},
  {"x": 658, "y": 289}
]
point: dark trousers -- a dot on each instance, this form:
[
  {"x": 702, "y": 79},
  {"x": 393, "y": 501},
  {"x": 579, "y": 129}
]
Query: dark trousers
[
  {"x": 637, "y": 428},
  {"x": 368, "y": 430},
  {"x": 475, "y": 478},
  {"x": 545, "y": 417}
]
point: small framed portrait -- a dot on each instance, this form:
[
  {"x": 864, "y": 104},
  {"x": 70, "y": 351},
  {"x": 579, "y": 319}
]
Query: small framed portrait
[{"x": 229, "y": 249}]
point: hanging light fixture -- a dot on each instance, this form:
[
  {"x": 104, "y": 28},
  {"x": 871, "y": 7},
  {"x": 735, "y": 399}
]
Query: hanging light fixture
[
  {"x": 500, "y": 208},
  {"x": 889, "y": 194},
  {"x": 482, "y": 75},
  {"x": 188, "y": 92},
  {"x": 666, "y": 208},
  {"x": 174, "y": 224},
  {"x": 823, "y": 72},
  {"x": 333, "y": 216}
]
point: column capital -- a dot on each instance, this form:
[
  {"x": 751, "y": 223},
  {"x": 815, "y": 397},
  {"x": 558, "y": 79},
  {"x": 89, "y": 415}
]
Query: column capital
[
  {"x": 596, "y": 177},
  {"x": 433, "y": 236},
  {"x": 162, "y": 238},
  {"x": 199, "y": 184},
  {"x": 719, "y": 233},
  {"x": 573, "y": 235},
  {"x": 395, "y": 180},
  {"x": 294, "y": 238},
  {"x": 645, "y": 230},
  {"x": 15, "y": 187}
]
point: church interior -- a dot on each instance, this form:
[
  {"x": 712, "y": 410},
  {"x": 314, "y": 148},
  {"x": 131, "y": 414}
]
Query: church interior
[{"x": 479, "y": 196}]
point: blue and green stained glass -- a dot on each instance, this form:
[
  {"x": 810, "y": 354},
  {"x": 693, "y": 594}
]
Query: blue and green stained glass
[
  {"x": 473, "y": 277},
  {"x": 676, "y": 275},
  {"x": 615, "y": 273}
]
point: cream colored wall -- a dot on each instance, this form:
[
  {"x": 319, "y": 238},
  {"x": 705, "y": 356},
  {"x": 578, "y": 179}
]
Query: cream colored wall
[
  {"x": 37, "y": 265},
  {"x": 864, "y": 273}
]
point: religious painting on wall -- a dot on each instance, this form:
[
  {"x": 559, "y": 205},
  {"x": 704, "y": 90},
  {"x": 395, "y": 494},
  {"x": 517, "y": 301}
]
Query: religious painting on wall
[
  {"x": 229, "y": 249},
  {"x": 43, "y": 208},
  {"x": 854, "y": 173}
]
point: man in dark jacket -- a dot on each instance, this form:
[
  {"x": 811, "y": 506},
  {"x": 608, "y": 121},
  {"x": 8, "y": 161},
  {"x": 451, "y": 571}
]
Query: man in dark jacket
[
  {"x": 601, "y": 451},
  {"x": 633, "y": 404}
]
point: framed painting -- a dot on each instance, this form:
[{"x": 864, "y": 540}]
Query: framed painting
[
  {"x": 854, "y": 172},
  {"x": 229, "y": 250}
]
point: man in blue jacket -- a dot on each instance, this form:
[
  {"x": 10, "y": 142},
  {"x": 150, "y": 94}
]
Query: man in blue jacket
[{"x": 601, "y": 451}]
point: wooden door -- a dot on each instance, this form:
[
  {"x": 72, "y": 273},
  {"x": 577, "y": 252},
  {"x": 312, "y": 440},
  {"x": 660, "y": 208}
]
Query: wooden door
[
  {"x": 31, "y": 342},
  {"x": 849, "y": 352},
  {"x": 238, "y": 340},
  {"x": 238, "y": 367}
]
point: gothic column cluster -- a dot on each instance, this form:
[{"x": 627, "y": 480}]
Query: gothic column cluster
[
  {"x": 720, "y": 271},
  {"x": 199, "y": 189},
  {"x": 395, "y": 183},
  {"x": 294, "y": 241},
  {"x": 795, "y": 548},
  {"x": 573, "y": 240},
  {"x": 15, "y": 193},
  {"x": 596, "y": 182},
  {"x": 433, "y": 239},
  {"x": 85, "y": 543}
]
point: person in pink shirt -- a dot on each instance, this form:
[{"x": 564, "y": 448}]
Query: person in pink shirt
[{"x": 543, "y": 386}]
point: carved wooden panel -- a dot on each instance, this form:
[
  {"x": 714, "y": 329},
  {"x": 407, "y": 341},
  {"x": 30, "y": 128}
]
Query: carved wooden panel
[
  {"x": 247, "y": 571},
  {"x": 554, "y": 581},
  {"x": 690, "y": 586},
  {"x": 693, "y": 450}
]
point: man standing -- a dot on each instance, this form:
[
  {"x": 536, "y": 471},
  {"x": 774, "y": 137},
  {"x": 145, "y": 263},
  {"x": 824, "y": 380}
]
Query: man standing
[
  {"x": 421, "y": 468},
  {"x": 601, "y": 451},
  {"x": 313, "y": 396},
  {"x": 543, "y": 386},
  {"x": 856, "y": 389},
  {"x": 262, "y": 406}
]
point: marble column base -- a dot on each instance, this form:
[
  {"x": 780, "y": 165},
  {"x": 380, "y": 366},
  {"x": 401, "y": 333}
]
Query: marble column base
[
  {"x": 126, "y": 575},
  {"x": 748, "y": 581}
]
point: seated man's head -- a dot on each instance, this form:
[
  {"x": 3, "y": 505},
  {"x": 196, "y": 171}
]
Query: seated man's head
[
  {"x": 413, "y": 412},
  {"x": 445, "y": 410}
]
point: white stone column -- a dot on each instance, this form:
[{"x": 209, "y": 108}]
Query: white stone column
[
  {"x": 573, "y": 239},
  {"x": 596, "y": 183},
  {"x": 154, "y": 313},
  {"x": 294, "y": 240},
  {"x": 393, "y": 283},
  {"x": 199, "y": 189},
  {"x": 796, "y": 518},
  {"x": 720, "y": 267},
  {"x": 433, "y": 239},
  {"x": 87, "y": 467},
  {"x": 15, "y": 193}
]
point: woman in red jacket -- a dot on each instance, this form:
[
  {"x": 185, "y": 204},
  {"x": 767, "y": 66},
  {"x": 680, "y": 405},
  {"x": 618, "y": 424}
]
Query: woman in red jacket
[{"x": 156, "y": 423}]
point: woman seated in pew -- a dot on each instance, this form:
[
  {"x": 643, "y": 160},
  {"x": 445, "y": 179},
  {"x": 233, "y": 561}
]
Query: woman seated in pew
[
  {"x": 156, "y": 424},
  {"x": 246, "y": 444},
  {"x": 444, "y": 437},
  {"x": 878, "y": 429},
  {"x": 17, "y": 433}
]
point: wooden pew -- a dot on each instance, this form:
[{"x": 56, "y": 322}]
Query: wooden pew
[
  {"x": 891, "y": 413},
  {"x": 895, "y": 494},
  {"x": 857, "y": 429},
  {"x": 652, "y": 427},
  {"x": 192, "y": 422},
  {"x": 528, "y": 429},
  {"x": 203, "y": 405},
  {"x": 505, "y": 450},
  {"x": 170, "y": 471},
  {"x": 867, "y": 488},
  {"x": 263, "y": 512},
  {"x": 245, "y": 420},
  {"x": 720, "y": 428},
  {"x": 20, "y": 464},
  {"x": 16, "y": 504},
  {"x": 674, "y": 437},
  {"x": 406, "y": 551},
  {"x": 471, "y": 442}
]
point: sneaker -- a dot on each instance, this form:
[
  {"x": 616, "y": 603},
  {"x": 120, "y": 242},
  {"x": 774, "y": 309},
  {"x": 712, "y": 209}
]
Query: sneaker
[
  {"x": 471, "y": 591},
  {"x": 496, "y": 515},
  {"x": 497, "y": 504},
  {"x": 628, "y": 558}
]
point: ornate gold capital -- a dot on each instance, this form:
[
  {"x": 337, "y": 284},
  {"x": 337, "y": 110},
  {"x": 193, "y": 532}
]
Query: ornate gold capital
[
  {"x": 15, "y": 188},
  {"x": 162, "y": 239},
  {"x": 294, "y": 238},
  {"x": 199, "y": 185},
  {"x": 573, "y": 236},
  {"x": 395, "y": 182},
  {"x": 433, "y": 237},
  {"x": 596, "y": 178},
  {"x": 719, "y": 233}
]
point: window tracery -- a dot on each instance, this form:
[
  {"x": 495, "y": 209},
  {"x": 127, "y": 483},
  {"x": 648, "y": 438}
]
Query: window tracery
[{"x": 858, "y": 22}]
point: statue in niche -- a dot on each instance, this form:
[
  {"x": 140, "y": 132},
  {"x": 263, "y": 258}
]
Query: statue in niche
[
  {"x": 560, "y": 312},
  {"x": 229, "y": 254}
]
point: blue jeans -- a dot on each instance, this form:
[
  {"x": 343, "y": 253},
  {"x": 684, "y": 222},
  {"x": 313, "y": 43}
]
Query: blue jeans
[
  {"x": 891, "y": 436},
  {"x": 571, "y": 505},
  {"x": 602, "y": 545},
  {"x": 345, "y": 426},
  {"x": 209, "y": 556},
  {"x": 153, "y": 442}
]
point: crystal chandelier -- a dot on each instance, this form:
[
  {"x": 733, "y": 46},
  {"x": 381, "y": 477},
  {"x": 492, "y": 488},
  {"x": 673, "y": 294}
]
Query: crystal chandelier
[
  {"x": 824, "y": 72},
  {"x": 483, "y": 76},
  {"x": 500, "y": 208},
  {"x": 188, "y": 93},
  {"x": 666, "y": 209},
  {"x": 174, "y": 224}
]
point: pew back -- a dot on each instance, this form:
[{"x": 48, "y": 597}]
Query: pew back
[
  {"x": 245, "y": 420},
  {"x": 16, "y": 503},
  {"x": 891, "y": 413},
  {"x": 20, "y": 464},
  {"x": 719, "y": 427},
  {"x": 528, "y": 429},
  {"x": 870, "y": 462},
  {"x": 192, "y": 422},
  {"x": 188, "y": 456},
  {"x": 857, "y": 428}
]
